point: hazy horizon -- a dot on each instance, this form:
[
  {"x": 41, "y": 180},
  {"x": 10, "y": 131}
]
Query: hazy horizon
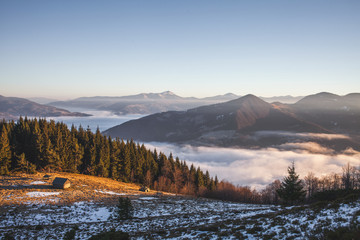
[{"x": 219, "y": 94}]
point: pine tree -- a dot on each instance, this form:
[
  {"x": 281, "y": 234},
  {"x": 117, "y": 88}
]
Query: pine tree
[
  {"x": 291, "y": 189},
  {"x": 5, "y": 152},
  {"x": 48, "y": 156},
  {"x": 199, "y": 178},
  {"x": 124, "y": 209},
  {"x": 115, "y": 166},
  {"x": 126, "y": 164},
  {"x": 75, "y": 155},
  {"x": 89, "y": 157},
  {"x": 21, "y": 164},
  {"x": 216, "y": 181}
]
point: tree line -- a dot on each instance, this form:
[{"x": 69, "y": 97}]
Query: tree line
[{"x": 293, "y": 190}]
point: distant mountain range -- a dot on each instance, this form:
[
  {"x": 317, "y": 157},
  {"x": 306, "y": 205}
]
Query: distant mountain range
[
  {"x": 326, "y": 120},
  {"x": 42, "y": 100},
  {"x": 13, "y": 107},
  {"x": 148, "y": 103}
]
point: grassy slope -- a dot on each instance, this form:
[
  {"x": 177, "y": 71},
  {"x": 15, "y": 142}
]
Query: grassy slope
[{"x": 14, "y": 189}]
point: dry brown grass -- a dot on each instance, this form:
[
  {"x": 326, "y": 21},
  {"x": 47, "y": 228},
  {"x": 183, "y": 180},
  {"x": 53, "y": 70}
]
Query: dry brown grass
[{"x": 14, "y": 189}]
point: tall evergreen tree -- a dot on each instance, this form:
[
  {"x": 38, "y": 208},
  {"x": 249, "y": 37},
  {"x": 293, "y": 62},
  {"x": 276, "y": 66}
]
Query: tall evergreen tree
[
  {"x": 76, "y": 153},
  {"x": 5, "y": 152},
  {"x": 199, "y": 178},
  {"x": 291, "y": 189},
  {"x": 48, "y": 156},
  {"x": 115, "y": 165},
  {"x": 21, "y": 164},
  {"x": 126, "y": 163}
]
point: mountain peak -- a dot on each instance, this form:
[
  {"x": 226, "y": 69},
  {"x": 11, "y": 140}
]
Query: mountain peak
[
  {"x": 318, "y": 98},
  {"x": 325, "y": 94},
  {"x": 167, "y": 93},
  {"x": 250, "y": 99},
  {"x": 250, "y": 96},
  {"x": 230, "y": 95}
]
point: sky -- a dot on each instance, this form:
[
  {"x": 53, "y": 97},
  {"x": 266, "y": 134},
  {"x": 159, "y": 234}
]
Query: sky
[{"x": 68, "y": 49}]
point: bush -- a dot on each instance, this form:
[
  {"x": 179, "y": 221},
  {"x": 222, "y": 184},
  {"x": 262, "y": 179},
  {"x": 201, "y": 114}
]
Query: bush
[{"x": 124, "y": 209}]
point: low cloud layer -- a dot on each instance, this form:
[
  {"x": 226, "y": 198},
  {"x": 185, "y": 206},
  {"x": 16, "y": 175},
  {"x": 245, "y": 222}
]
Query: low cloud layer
[
  {"x": 258, "y": 168},
  {"x": 99, "y": 119},
  {"x": 325, "y": 136},
  {"x": 306, "y": 147}
]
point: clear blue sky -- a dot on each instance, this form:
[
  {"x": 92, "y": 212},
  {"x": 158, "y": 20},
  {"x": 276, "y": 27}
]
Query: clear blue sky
[{"x": 67, "y": 49}]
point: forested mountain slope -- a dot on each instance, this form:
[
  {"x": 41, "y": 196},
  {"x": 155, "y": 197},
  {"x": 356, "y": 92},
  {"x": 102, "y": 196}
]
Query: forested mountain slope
[{"x": 36, "y": 145}]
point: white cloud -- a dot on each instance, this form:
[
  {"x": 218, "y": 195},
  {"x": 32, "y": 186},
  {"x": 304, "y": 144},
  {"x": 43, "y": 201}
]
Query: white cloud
[
  {"x": 261, "y": 134},
  {"x": 257, "y": 168},
  {"x": 306, "y": 147}
]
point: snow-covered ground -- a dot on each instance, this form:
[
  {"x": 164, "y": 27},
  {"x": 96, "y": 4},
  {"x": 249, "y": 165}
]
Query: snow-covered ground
[{"x": 175, "y": 217}]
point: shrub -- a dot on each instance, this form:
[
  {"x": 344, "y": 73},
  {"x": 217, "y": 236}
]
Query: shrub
[{"x": 124, "y": 209}]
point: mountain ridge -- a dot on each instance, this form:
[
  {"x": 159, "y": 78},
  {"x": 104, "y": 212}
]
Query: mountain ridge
[
  {"x": 13, "y": 107},
  {"x": 149, "y": 103},
  {"x": 236, "y": 123}
]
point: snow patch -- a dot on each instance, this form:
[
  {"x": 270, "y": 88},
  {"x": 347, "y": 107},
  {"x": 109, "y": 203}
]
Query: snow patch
[
  {"x": 37, "y": 183},
  {"x": 110, "y": 192},
  {"x": 42, "y": 194},
  {"x": 148, "y": 198}
]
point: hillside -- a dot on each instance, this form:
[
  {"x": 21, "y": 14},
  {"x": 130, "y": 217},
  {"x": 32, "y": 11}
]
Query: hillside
[
  {"x": 340, "y": 114},
  {"x": 21, "y": 188},
  {"x": 245, "y": 122},
  {"x": 12, "y": 108},
  {"x": 30, "y": 209},
  {"x": 31, "y": 145}
]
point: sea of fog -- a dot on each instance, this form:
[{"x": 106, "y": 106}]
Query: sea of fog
[
  {"x": 255, "y": 168},
  {"x": 99, "y": 119}
]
